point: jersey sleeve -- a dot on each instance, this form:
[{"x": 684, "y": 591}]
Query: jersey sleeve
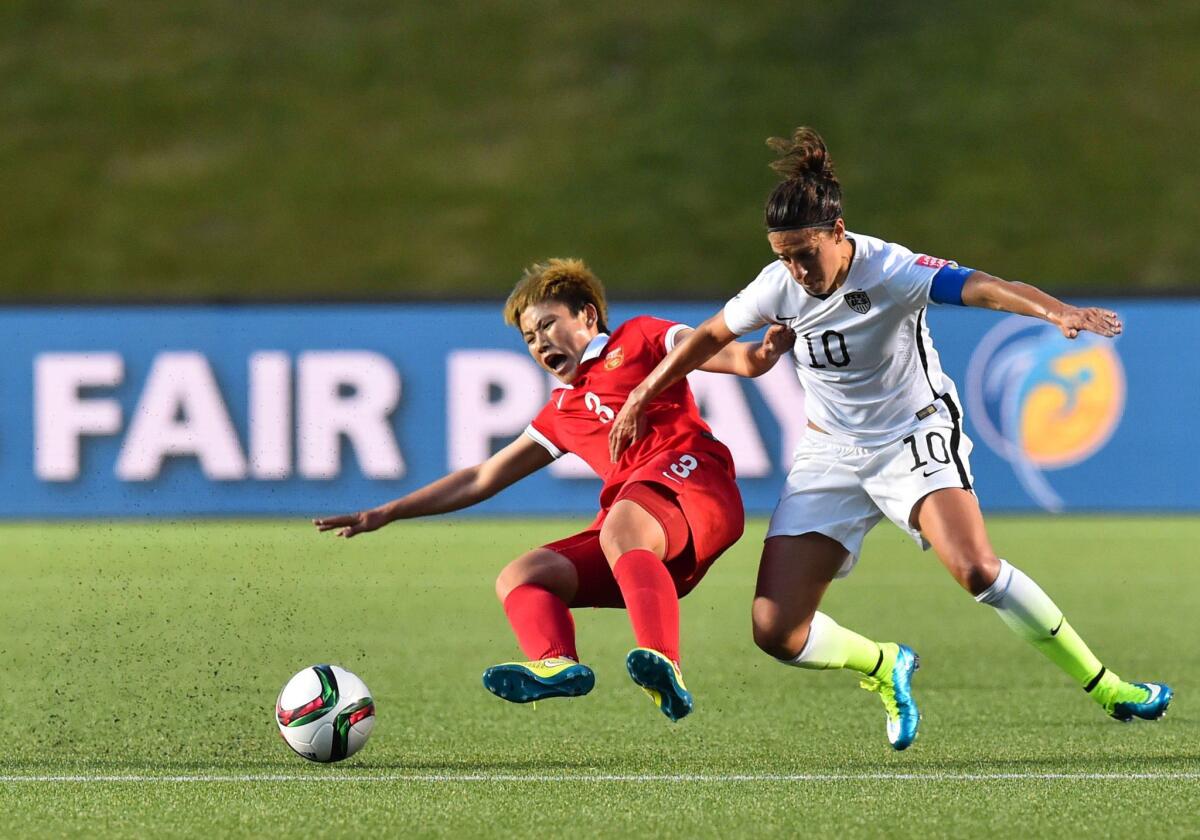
[
  {"x": 660, "y": 334},
  {"x": 919, "y": 280},
  {"x": 541, "y": 430},
  {"x": 752, "y": 307}
]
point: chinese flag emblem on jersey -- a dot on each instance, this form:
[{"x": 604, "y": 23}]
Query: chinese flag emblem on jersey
[{"x": 613, "y": 360}]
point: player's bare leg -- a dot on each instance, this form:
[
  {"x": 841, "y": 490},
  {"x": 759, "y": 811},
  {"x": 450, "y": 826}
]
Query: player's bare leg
[
  {"x": 540, "y": 567},
  {"x": 535, "y": 590},
  {"x": 951, "y": 521},
  {"x": 634, "y": 544},
  {"x": 793, "y": 575}
]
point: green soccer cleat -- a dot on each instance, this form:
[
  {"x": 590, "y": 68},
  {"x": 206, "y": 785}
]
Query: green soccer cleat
[
  {"x": 1143, "y": 701},
  {"x": 528, "y": 682},
  {"x": 893, "y": 684},
  {"x": 660, "y": 678}
]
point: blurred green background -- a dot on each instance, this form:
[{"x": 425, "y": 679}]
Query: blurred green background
[{"x": 429, "y": 150}]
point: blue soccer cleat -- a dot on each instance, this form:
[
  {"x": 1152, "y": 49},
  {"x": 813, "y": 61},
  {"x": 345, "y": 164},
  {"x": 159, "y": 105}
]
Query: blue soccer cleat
[
  {"x": 893, "y": 684},
  {"x": 660, "y": 678},
  {"x": 527, "y": 682},
  {"x": 1145, "y": 701}
]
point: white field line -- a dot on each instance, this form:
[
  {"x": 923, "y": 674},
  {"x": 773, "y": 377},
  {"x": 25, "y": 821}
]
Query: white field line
[{"x": 453, "y": 778}]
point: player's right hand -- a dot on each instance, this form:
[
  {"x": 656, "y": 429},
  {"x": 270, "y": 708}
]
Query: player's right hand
[
  {"x": 627, "y": 427},
  {"x": 352, "y": 523}
]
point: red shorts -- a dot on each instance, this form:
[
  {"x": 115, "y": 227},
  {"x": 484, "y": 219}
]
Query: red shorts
[{"x": 693, "y": 495}]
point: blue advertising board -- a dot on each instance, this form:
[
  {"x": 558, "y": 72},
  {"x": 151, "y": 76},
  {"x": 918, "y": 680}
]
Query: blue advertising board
[{"x": 299, "y": 410}]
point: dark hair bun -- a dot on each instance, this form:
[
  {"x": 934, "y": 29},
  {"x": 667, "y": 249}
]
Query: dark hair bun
[{"x": 804, "y": 154}]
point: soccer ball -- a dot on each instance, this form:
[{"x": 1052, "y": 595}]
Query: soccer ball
[{"x": 325, "y": 713}]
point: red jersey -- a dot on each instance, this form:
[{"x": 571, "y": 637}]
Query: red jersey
[{"x": 577, "y": 417}]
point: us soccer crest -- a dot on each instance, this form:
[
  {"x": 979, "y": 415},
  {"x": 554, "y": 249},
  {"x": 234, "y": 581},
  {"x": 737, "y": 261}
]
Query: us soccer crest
[
  {"x": 858, "y": 301},
  {"x": 613, "y": 360}
]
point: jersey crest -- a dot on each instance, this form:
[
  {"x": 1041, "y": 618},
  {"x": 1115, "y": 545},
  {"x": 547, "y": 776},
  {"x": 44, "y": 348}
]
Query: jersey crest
[
  {"x": 858, "y": 301},
  {"x": 613, "y": 360}
]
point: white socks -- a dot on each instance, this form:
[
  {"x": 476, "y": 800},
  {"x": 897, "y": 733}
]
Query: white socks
[
  {"x": 1029, "y": 612},
  {"x": 1021, "y": 604}
]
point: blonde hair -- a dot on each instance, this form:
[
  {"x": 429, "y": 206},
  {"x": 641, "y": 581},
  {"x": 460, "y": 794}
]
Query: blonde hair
[{"x": 568, "y": 281}]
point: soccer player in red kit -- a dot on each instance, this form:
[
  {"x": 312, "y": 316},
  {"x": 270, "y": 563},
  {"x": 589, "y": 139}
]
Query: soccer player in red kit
[{"x": 668, "y": 508}]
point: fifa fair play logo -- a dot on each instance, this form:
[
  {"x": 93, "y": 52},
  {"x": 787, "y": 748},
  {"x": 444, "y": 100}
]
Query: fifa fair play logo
[{"x": 1043, "y": 402}]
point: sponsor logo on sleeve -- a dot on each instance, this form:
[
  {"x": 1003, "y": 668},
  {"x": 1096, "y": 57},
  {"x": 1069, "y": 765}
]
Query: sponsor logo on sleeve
[{"x": 932, "y": 262}]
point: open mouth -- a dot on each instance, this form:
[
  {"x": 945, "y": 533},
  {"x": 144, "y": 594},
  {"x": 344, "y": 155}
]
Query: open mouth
[{"x": 556, "y": 361}]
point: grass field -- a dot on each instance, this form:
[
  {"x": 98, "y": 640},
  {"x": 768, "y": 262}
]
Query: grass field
[{"x": 143, "y": 660}]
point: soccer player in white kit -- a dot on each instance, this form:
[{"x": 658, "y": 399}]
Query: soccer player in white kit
[{"x": 884, "y": 439}]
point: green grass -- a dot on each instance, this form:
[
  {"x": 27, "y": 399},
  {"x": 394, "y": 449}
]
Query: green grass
[
  {"x": 368, "y": 147},
  {"x": 137, "y": 649}
]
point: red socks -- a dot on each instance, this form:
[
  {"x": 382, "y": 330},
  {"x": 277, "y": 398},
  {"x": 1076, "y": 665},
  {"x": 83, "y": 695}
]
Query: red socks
[
  {"x": 541, "y": 622},
  {"x": 650, "y": 597}
]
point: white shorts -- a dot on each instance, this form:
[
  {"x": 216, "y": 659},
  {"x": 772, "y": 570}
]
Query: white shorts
[{"x": 843, "y": 491}]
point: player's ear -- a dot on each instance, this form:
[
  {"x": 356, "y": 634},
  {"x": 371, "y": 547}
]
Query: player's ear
[{"x": 590, "y": 315}]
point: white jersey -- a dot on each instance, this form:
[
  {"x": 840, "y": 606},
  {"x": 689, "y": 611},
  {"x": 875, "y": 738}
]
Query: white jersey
[{"x": 863, "y": 354}]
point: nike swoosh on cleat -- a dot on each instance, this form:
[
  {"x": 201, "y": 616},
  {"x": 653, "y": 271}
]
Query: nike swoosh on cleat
[
  {"x": 1054, "y": 632},
  {"x": 1155, "y": 690}
]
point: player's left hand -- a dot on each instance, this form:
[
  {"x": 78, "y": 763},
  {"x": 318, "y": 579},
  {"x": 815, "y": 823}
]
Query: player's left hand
[
  {"x": 778, "y": 340},
  {"x": 352, "y": 523},
  {"x": 1076, "y": 319}
]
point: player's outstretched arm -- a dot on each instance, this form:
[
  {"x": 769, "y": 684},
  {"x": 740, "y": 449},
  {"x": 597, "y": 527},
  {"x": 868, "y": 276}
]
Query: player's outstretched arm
[
  {"x": 456, "y": 491},
  {"x": 700, "y": 345},
  {"x": 990, "y": 292},
  {"x": 747, "y": 358}
]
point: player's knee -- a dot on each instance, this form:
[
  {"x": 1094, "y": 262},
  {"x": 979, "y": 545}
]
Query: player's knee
[
  {"x": 616, "y": 543},
  {"x": 776, "y": 637},
  {"x": 547, "y": 569},
  {"x": 507, "y": 581},
  {"x": 978, "y": 570},
  {"x": 779, "y": 643},
  {"x": 524, "y": 570}
]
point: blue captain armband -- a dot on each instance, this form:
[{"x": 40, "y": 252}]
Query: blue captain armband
[{"x": 948, "y": 284}]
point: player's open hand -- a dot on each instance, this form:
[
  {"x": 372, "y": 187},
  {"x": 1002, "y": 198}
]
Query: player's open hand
[
  {"x": 778, "y": 340},
  {"x": 627, "y": 426},
  {"x": 350, "y": 524},
  {"x": 1076, "y": 319}
]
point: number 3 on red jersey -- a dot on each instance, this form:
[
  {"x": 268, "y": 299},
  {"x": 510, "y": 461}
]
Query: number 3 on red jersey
[
  {"x": 602, "y": 411},
  {"x": 683, "y": 467}
]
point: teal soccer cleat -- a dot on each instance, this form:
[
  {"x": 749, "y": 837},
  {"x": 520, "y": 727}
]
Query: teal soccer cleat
[
  {"x": 894, "y": 687},
  {"x": 660, "y": 678},
  {"x": 528, "y": 682},
  {"x": 1150, "y": 702}
]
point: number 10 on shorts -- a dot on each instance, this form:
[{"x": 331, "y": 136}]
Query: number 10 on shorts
[{"x": 935, "y": 446}]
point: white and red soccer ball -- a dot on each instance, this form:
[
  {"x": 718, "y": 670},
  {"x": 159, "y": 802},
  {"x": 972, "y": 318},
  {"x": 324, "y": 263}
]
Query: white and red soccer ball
[{"x": 325, "y": 713}]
